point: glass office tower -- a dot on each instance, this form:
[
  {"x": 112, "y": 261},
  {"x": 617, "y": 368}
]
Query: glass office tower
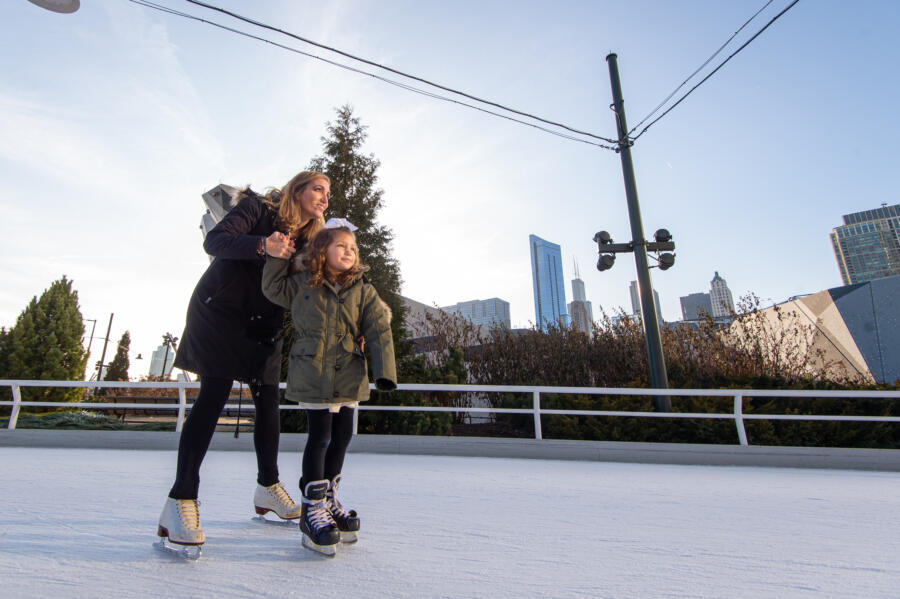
[
  {"x": 867, "y": 245},
  {"x": 547, "y": 277}
]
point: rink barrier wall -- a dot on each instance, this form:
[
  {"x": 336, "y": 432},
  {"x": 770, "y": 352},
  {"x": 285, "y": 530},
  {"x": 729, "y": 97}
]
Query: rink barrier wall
[
  {"x": 741, "y": 454},
  {"x": 482, "y": 447}
]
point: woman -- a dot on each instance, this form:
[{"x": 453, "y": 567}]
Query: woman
[{"x": 234, "y": 333}]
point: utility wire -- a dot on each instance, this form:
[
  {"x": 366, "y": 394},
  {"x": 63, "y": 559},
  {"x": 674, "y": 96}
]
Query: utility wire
[
  {"x": 700, "y": 68},
  {"x": 744, "y": 45},
  {"x": 155, "y": 6},
  {"x": 401, "y": 73}
]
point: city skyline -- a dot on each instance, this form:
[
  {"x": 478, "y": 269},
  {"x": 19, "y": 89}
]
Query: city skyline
[
  {"x": 120, "y": 117},
  {"x": 488, "y": 313}
]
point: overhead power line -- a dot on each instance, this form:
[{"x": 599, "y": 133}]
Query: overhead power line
[
  {"x": 700, "y": 68},
  {"x": 714, "y": 71},
  {"x": 398, "y": 72},
  {"x": 401, "y": 85}
]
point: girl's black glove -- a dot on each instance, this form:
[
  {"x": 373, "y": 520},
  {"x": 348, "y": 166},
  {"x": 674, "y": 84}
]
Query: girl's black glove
[{"x": 385, "y": 384}]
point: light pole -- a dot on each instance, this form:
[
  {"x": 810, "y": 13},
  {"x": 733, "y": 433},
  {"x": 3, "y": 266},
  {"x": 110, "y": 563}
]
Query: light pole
[
  {"x": 168, "y": 340},
  {"x": 640, "y": 246},
  {"x": 103, "y": 353}
]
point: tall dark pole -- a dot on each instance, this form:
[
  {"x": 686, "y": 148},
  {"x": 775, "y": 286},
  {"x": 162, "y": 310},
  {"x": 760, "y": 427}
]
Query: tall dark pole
[
  {"x": 658, "y": 377},
  {"x": 103, "y": 354},
  {"x": 162, "y": 372}
]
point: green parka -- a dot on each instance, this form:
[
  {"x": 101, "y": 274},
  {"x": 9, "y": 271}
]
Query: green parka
[{"x": 326, "y": 364}]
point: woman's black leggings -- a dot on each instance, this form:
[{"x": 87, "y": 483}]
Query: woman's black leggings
[
  {"x": 326, "y": 445},
  {"x": 201, "y": 424}
]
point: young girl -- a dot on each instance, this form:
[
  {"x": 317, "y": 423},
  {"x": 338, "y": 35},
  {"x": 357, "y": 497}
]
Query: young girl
[{"x": 332, "y": 306}]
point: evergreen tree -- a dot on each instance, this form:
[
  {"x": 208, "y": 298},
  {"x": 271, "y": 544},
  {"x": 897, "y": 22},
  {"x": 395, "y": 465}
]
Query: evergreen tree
[
  {"x": 118, "y": 368},
  {"x": 46, "y": 343},
  {"x": 4, "y": 338},
  {"x": 355, "y": 196}
]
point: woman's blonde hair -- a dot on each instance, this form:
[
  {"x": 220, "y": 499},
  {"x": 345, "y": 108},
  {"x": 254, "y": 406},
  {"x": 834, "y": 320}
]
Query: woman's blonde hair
[
  {"x": 288, "y": 220},
  {"x": 313, "y": 258}
]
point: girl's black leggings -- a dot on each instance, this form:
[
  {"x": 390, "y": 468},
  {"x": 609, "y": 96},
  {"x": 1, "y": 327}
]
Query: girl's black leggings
[
  {"x": 326, "y": 445},
  {"x": 201, "y": 424}
]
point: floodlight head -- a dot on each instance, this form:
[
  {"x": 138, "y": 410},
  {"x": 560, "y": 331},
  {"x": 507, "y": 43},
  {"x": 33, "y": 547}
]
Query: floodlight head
[
  {"x": 666, "y": 261},
  {"x": 662, "y": 235},
  {"x": 60, "y": 6},
  {"x": 605, "y": 262},
  {"x": 602, "y": 238}
]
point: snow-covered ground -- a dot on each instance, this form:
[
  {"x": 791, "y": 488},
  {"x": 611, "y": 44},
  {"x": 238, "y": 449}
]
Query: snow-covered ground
[{"x": 80, "y": 523}]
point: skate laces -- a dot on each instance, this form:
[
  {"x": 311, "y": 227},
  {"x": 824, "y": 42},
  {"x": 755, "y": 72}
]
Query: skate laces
[
  {"x": 281, "y": 495},
  {"x": 334, "y": 506},
  {"x": 319, "y": 516},
  {"x": 189, "y": 512}
]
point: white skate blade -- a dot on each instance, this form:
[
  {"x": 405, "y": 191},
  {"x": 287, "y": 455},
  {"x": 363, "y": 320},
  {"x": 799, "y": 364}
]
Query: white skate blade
[
  {"x": 329, "y": 550},
  {"x": 186, "y": 552},
  {"x": 349, "y": 536},
  {"x": 276, "y": 520}
]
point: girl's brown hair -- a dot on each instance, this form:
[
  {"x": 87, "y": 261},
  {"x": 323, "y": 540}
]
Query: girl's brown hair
[
  {"x": 313, "y": 258},
  {"x": 288, "y": 219}
]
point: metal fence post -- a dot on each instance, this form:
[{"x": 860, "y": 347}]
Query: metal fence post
[
  {"x": 182, "y": 407},
  {"x": 356, "y": 421},
  {"x": 17, "y": 400},
  {"x": 739, "y": 419},
  {"x": 537, "y": 416}
]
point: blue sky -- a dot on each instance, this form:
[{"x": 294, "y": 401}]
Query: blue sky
[{"x": 116, "y": 118}]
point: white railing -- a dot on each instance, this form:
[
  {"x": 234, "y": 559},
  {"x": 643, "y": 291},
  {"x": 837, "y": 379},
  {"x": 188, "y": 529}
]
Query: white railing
[{"x": 536, "y": 410}]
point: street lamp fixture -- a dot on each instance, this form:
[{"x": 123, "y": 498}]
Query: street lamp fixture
[{"x": 60, "y": 6}]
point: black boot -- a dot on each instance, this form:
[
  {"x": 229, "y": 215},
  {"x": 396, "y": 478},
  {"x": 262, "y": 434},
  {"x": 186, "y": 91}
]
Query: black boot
[
  {"x": 346, "y": 520},
  {"x": 319, "y": 530}
]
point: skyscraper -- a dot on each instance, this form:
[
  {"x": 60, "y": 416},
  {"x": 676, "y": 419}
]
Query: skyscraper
[
  {"x": 579, "y": 308},
  {"x": 695, "y": 303},
  {"x": 156, "y": 361},
  {"x": 867, "y": 245},
  {"x": 636, "y": 301},
  {"x": 488, "y": 313},
  {"x": 547, "y": 277},
  {"x": 720, "y": 297}
]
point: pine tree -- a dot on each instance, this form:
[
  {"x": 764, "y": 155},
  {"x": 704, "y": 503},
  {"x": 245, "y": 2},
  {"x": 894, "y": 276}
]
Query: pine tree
[
  {"x": 355, "y": 196},
  {"x": 46, "y": 343},
  {"x": 118, "y": 368},
  {"x": 4, "y": 340}
]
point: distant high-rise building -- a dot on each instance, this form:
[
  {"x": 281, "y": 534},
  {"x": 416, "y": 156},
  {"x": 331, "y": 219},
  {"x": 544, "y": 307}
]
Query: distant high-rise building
[
  {"x": 488, "y": 313},
  {"x": 636, "y": 301},
  {"x": 156, "y": 361},
  {"x": 547, "y": 276},
  {"x": 695, "y": 303},
  {"x": 720, "y": 297},
  {"x": 579, "y": 308},
  {"x": 867, "y": 245}
]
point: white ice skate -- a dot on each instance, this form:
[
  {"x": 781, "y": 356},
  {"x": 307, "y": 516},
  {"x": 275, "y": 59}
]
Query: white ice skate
[
  {"x": 179, "y": 528},
  {"x": 275, "y": 499}
]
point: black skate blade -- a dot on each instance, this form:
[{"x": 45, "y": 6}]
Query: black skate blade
[
  {"x": 186, "y": 552},
  {"x": 329, "y": 550},
  {"x": 278, "y": 522},
  {"x": 349, "y": 536}
]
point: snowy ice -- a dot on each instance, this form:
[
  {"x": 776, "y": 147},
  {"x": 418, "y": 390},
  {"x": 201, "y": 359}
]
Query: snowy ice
[{"x": 81, "y": 523}]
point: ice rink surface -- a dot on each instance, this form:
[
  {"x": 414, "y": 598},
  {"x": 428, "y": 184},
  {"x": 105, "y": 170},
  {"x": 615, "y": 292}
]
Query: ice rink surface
[{"x": 81, "y": 523}]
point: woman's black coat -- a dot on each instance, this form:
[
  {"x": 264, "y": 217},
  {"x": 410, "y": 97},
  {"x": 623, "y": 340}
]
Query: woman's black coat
[{"x": 232, "y": 330}]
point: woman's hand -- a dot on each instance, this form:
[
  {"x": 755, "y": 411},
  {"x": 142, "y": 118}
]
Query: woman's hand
[{"x": 279, "y": 245}]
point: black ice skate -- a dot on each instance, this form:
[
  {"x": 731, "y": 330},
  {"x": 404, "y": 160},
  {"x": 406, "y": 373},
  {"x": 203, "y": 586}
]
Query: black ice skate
[
  {"x": 346, "y": 520},
  {"x": 320, "y": 533}
]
